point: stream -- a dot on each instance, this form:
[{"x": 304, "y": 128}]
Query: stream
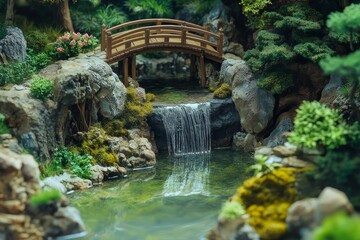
[{"x": 179, "y": 199}]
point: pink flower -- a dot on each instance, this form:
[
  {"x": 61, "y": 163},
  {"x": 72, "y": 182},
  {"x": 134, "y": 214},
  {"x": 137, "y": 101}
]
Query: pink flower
[
  {"x": 72, "y": 43},
  {"x": 85, "y": 36},
  {"x": 76, "y": 36},
  {"x": 60, "y": 49}
]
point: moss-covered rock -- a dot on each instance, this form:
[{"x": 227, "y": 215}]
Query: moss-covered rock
[{"x": 224, "y": 91}]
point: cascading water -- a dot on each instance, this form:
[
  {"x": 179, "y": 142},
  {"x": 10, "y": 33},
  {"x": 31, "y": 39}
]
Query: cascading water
[{"x": 188, "y": 135}]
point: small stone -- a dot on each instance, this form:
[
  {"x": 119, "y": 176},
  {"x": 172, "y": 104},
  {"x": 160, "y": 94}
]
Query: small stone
[
  {"x": 19, "y": 87},
  {"x": 5, "y": 136},
  {"x": 265, "y": 151},
  {"x": 282, "y": 151},
  {"x": 296, "y": 163},
  {"x": 302, "y": 214},
  {"x": 148, "y": 155},
  {"x": 274, "y": 159},
  {"x": 12, "y": 206}
]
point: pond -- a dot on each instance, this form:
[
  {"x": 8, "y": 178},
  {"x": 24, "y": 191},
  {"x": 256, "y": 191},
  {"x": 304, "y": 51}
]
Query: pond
[{"x": 179, "y": 199}]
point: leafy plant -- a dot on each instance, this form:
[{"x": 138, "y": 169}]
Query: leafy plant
[
  {"x": 3, "y": 127},
  {"x": 231, "y": 210},
  {"x": 45, "y": 197},
  {"x": 38, "y": 61},
  {"x": 261, "y": 167},
  {"x": 337, "y": 227},
  {"x": 41, "y": 87},
  {"x": 224, "y": 91},
  {"x": 276, "y": 82},
  {"x": 15, "y": 72},
  {"x": 37, "y": 40},
  {"x": 253, "y": 6},
  {"x": 318, "y": 125},
  {"x": 150, "y": 97},
  {"x": 71, "y": 44}
]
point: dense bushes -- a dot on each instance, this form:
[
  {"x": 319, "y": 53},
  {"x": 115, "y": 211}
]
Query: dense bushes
[{"x": 317, "y": 125}]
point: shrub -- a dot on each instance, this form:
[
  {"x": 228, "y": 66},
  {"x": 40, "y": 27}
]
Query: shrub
[
  {"x": 40, "y": 61},
  {"x": 72, "y": 44},
  {"x": 3, "y": 127},
  {"x": 318, "y": 125},
  {"x": 150, "y": 97},
  {"x": 224, "y": 91},
  {"x": 37, "y": 40},
  {"x": 45, "y": 197},
  {"x": 338, "y": 227},
  {"x": 231, "y": 210},
  {"x": 276, "y": 82},
  {"x": 41, "y": 87}
]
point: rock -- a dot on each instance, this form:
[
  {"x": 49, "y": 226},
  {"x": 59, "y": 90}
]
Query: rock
[
  {"x": 295, "y": 162},
  {"x": 273, "y": 159},
  {"x": 254, "y": 105},
  {"x": 13, "y": 45},
  {"x": 332, "y": 90},
  {"x": 73, "y": 183},
  {"x": 9, "y": 161},
  {"x": 148, "y": 155},
  {"x": 283, "y": 151},
  {"x": 276, "y": 137},
  {"x": 250, "y": 143},
  {"x": 235, "y": 72},
  {"x": 225, "y": 122},
  {"x": 235, "y": 48},
  {"x": 264, "y": 151},
  {"x": 239, "y": 141},
  {"x": 33, "y": 124},
  {"x": 140, "y": 93},
  {"x": 247, "y": 232},
  {"x": 332, "y": 201},
  {"x": 30, "y": 169},
  {"x": 226, "y": 229},
  {"x": 53, "y": 183},
  {"x": 302, "y": 214},
  {"x": 97, "y": 173},
  {"x": 212, "y": 76}
]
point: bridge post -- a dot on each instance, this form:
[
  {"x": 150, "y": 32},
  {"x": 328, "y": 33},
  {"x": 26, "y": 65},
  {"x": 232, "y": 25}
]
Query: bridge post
[
  {"x": 202, "y": 70},
  {"x": 221, "y": 41},
  {"x": 103, "y": 29},
  {"x": 109, "y": 45},
  {"x": 133, "y": 67},
  {"x": 126, "y": 72},
  {"x": 192, "y": 66}
]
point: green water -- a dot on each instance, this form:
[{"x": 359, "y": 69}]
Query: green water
[{"x": 135, "y": 208}]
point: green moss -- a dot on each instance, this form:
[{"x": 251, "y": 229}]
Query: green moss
[
  {"x": 45, "y": 197},
  {"x": 96, "y": 145},
  {"x": 267, "y": 200},
  {"x": 224, "y": 91},
  {"x": 150, "y": 97},
  {"x": 231, "y": 210},
  {"x": 41, "y": 87},
  {"x": 115, "y": 128}
]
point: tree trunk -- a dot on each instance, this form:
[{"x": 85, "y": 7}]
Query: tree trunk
[
  {"x": 64, "y": 11},
  {"x": 9, "y": 19}
]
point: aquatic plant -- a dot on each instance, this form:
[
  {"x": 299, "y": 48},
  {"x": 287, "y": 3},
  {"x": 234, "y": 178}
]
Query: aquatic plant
[
  {"x": 261, "y": 167},
  {"x": 318, "y": 125},
  {"x": 224, "y": 91},
  {"x": 338, "y": 227},
  {"x": 41, "y": 87},
  {"x": 45, "y": 197},
  {"x": 231, "y": 210}
]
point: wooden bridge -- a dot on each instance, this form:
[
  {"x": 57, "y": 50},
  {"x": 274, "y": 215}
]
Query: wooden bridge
[{"x": 121, "y": 43}]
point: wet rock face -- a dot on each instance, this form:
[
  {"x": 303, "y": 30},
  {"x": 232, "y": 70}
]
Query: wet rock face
[
  {"x": 19, "y": 180},
  {"x": 13, "y": 45}
]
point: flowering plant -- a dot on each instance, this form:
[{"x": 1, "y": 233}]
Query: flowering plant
[{"x": 71, "y": 44}]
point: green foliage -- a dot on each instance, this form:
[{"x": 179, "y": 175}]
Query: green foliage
[
  {"x": 253, "y": 6},
  {"x": 72, "y": 44},
  {"x": 276, "y": 82},
  {"x": 150, "y": 97},
  {"x": 38, "y": 61},
  {"x": 261, "y": 167},
  {"x": 224, "y": 91},
  {"x": 265, "y": 38},
  {"x": 41, "y": 87},
  {"x": 37, "y": 40},
  {"x": 3, "y": 127},
  {"x": 338, "y": 227},
  {"x": 15, "y": 73},
  {"x": 79, "y": 165},
  {"x": 91, "y": 21},
  {"x": 314, "y": 51},
  {"x": 3, "y": 30},
  {"x": 318, "y": 125},
  {"x": 347, "y": 22},
  {"x": 45, "y": 197},
  {"x": 231, "y": 210},
  {"x": 115, "y": 127},
  {"x": 149, "y": 8}
]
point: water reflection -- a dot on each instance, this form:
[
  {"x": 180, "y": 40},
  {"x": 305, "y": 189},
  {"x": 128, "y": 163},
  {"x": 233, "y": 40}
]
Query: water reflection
[{"x": 190, "y": 175}]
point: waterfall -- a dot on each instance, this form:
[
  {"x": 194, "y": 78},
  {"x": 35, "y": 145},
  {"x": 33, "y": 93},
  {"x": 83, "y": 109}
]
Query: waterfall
[
  {"x": 188, "y": 135},
  {"x": 187, "y": 128}
]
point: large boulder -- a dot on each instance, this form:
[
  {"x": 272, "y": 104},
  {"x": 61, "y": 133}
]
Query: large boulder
[
  {"x": 235, "y": 72},
  {"x": 13, "y": 45},
  {"x": 276, "y": 137}
]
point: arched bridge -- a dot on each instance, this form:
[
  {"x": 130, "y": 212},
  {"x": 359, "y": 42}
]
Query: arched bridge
[{"x": 121, "y": 43}]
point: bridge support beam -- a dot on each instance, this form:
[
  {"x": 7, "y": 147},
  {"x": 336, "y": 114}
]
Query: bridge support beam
[
  {"x": 126, "y": 72},
  {"x": 133, "y": 67},
  {"x": 192, "y": 67},
  {"x": 202, "y": 71}
]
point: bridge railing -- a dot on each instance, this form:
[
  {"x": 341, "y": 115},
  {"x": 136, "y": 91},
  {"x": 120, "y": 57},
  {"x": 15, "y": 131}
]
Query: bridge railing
[{"x": 119, "y": 40}]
